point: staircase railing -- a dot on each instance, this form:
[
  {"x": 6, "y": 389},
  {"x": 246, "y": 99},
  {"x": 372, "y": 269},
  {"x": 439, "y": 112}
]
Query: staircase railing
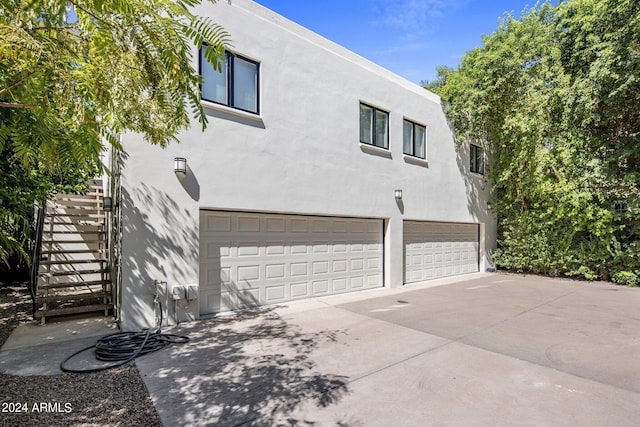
[
  {"x": 36, "y": 252},
  {"x": 114, "y": 231}
]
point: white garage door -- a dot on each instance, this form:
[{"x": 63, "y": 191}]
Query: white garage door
[
  {"x": 438, "y": 249},
  {"x": 250, "y": 259}
]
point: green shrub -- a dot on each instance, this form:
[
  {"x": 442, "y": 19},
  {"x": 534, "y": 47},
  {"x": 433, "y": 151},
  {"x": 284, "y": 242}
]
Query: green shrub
[{"x": 627, "y": 278}]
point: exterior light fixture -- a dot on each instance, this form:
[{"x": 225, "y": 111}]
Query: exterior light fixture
[
  {"x": 180, "y": 165},
  {"x": 398, "y": 194},
  {"x": 107, "y": 204}
]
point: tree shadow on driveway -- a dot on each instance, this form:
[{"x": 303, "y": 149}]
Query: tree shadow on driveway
[{"x": 251, "y": 368}]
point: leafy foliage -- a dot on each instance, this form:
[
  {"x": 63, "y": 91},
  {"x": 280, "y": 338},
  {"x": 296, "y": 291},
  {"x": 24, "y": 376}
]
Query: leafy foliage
[
  {"x": 548, "y": 97},
  {"x": 20, "y": 187},
  {"x": 77, "y": 73}
]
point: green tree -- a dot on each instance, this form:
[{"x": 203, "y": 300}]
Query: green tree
[
  {"x": 76, "y": 73},
  {"x": 441, "y": 79},
  {"x": 20, "y": 186},
  {"x": 539, "y": 102},
  {"x": 600, "y": 45}
]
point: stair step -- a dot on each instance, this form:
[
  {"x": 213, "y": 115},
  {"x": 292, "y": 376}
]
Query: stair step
[
  {"x": 77, "y": 223},
  {"x": 86, "y": 196},
  {"x": 71, "y": 297},
  {"x": 74, "y": 272},
  {"x": 75, "y": 215},
  {"x": 92, "y": 211},
  {"x": 71, "y": 261},
  {"x": 72, "y": 310},
  {"x": 73, "y": 242},
  {"x": 90, "y": 189},
  {"x": 73, "y": 284},
  {"x": 89, "y": 205},
  {"x": 74, "y": 251},
  {"x": 90, "y": 231},
  {"x": 56, "y": 205}
]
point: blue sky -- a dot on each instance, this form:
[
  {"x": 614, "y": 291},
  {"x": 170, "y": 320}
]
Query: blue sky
[{"x": 408, "y": 37}]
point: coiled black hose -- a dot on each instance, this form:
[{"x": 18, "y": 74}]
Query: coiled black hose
[{"x": 122, "y": 347}]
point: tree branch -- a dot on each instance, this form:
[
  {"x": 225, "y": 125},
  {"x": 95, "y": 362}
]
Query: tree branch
[
  {"x": 18, "y": 82},
  {"x": 17, "y": 105},
  {"x": 93, "y": 15},
  {"x": 54, "y": 28}
]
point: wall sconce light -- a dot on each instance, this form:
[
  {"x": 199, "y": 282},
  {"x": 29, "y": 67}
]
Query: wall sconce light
[
  {"x": 398, "y": 194},
  {"x": 180, "y": 165},
  {"x": 107, "y": 204}
]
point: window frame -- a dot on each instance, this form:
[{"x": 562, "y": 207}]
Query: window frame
[
  {"x": 229, "y": 58},
  {"x": 620, "y": 206},
  {"x": 373, "y": 133},
  {"x": 413, "y": 138},
  {"x": 476, "y": 159}
]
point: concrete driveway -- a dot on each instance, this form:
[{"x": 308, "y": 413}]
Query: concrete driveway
[{"x": 490, "y": 349}]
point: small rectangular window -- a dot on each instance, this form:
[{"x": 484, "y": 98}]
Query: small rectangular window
[
  {"x": 236, "y": 85},
  {"x": 245, "y": 87},
  {"x": 374, "y": 126},
  {"x": 216, "y": 88},
  {"x": 366, "y": 124},
  {"x": 476, "y": 159},
  {"x": 620, "y": 206},
  {"x": 414, "y": 139}
]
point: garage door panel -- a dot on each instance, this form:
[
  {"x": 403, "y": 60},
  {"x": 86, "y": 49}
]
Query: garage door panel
[
  {"x": 218, "y": 223},
  {"x": 357, "y": 282},
  {"x": 274, "y": 248},
  {"x": 321, "y": 226},
  {"x": 248, "y": 249},
  {"x": 271, "y": 258},
  {"x": 299, "y": 225},
  {"x": 320, "y": 248},
  {"x": 299, "y": 248},
  {"x": 299, "y": 269},
  {"x": 248, "y": 223},
  {"x": 374, "y": 281},
  {"x": 320, "y": 267},
  {"x": 340, "y": 247},
  {"x": 248, "y": 298},
  {"x": 275, "y": 294},
  {"x": 321, "y": 287},
  {"x": 274, "y": 271},
  {"x": 374, "y": 263},
  {"x": 434, "y": 250},
  {"x": 248, "y": 273},
  {"x": 275, "y": 225},
  {"x": 339, "y": 285}
]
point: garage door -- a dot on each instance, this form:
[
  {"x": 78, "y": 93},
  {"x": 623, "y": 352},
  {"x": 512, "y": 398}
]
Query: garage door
[
  {"x": 250, "y": 259},
  {"x": 437, "y": 249}
]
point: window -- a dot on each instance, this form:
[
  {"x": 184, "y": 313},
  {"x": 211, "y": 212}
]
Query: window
[
  {"x": 414, "y": 139},
  {"x": 235, "y": 85},
  {"x": 620, "y": 206},
  {"x": 477, "y": 159},
  {"x": 374, "y": 126}
]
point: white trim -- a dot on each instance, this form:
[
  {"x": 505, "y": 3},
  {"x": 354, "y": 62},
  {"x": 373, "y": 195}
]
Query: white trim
[
  {"x": 416, "y": 122},
  {"x": 289, "y": 213},
  {"x": 416, "y": 160},
  {"x": 376, "y": 149},
  {"x": 230, "y": 110},
  {"x": 375, "y": 106},
  {"x": 482, "y": 253}
]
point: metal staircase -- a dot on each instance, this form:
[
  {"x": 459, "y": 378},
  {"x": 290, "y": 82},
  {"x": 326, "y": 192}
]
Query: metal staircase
[{"x": 73, "y": 274}]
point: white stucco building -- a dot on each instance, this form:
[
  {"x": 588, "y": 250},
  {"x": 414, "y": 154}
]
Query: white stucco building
[{"x": 291, "y": 191}]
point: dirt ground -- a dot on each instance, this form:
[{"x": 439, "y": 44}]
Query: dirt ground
[{"x": 117, "y": 397}]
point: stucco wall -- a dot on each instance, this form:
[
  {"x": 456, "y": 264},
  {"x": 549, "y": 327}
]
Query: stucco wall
[{"x": 301, "y": 155}]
